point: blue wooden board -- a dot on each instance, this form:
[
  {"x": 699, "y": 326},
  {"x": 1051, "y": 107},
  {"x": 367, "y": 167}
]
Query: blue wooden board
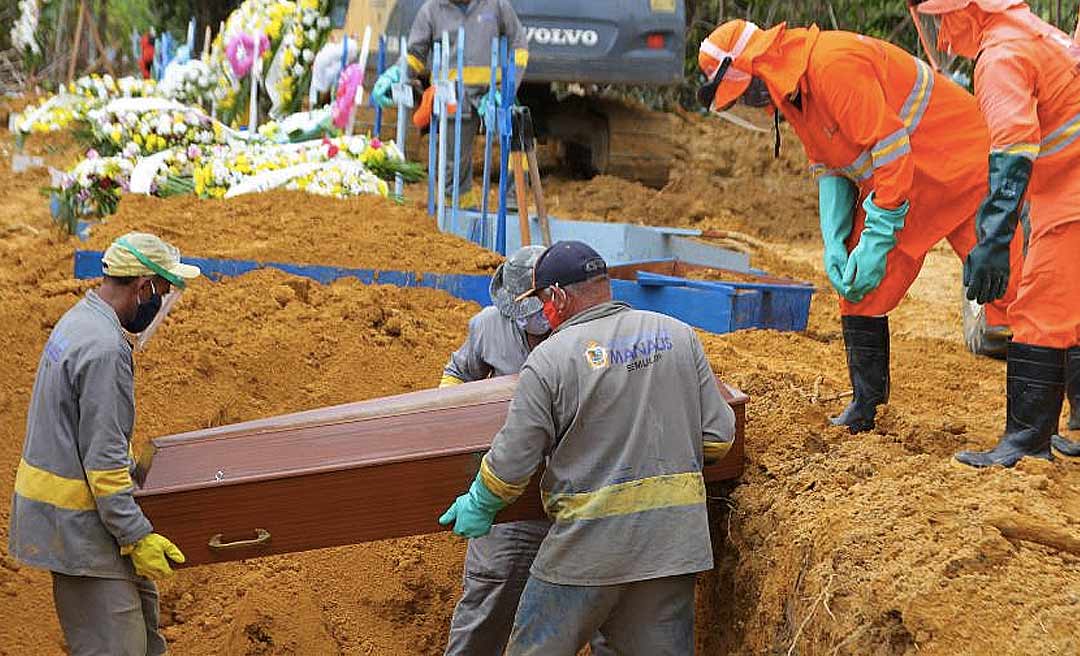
[
  {"x": 464, "y": 286},
  {"x": 712, "y": 306}
]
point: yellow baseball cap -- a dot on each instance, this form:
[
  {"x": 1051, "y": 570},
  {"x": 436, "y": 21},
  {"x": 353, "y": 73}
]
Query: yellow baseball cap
[{"x": 143, "y": 254}]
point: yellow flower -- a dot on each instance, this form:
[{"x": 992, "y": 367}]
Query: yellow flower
[
  {"x": 289, "y": 57},
  {"x": 115, "y": 135},
  {"x": 310, "y": 5},
  {"x": 137, "y": 138}
]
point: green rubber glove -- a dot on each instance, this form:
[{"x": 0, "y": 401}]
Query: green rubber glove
[
  {"x": 471, "y": 514},
  {"x": 382, "y": 92},
  {"x": 866, "y": 265},
  {"x": 986, "y": 269},
  {"x": 151, "y": 556},
  {"x": 491, "y": 100},
  {"x": 836, "y": 209}
]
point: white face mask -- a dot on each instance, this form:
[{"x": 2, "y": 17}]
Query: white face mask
[{"x": 534, "y": 324}]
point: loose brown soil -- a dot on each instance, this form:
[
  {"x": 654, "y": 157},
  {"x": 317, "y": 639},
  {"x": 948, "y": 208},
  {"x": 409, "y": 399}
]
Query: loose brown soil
[{"x": 831, "y": 544}]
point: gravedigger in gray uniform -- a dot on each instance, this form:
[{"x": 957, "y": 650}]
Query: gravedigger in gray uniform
[{"x": 577, "y": 49}]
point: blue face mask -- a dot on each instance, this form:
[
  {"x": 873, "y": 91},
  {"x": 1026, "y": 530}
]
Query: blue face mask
[{"x": 534, "y": 324}]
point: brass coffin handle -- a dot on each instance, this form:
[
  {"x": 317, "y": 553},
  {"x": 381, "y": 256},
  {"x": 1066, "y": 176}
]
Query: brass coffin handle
[{"x": 262, "y": 536}]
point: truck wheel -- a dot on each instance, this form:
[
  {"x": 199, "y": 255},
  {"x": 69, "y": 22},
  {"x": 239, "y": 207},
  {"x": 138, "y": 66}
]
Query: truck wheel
[{"x": 980, "y": 338}]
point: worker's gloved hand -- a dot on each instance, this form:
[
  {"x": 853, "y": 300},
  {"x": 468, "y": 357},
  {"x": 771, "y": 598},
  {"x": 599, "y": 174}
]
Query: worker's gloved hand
[
  {"x": 151, "y": 556},
  {"x": 471, "y": 514},
  {"x": 491, "y": 100},
  {"x": 986, "y": 269},
  {"x": 866, "y": 266},
  {"x": 836, "y": 210},
  {"x": 382, "y": 92}
]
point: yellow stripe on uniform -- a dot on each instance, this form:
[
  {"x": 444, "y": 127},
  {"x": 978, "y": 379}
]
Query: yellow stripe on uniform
[
  {"x": 1028, "y": 150},
  {"x": 46, "y": 487},
  {"x": 107, "y": 482},
  {"x": 521, "y": 57},
  {"x": 449, "y": 381},
  {"x": 666, "y": 491},
  {"x": 508, "y": 492},
  {"x": 715, "y": 451},
  {"x": 475, "y": 76},
  {"x": 415, "y": 63}
]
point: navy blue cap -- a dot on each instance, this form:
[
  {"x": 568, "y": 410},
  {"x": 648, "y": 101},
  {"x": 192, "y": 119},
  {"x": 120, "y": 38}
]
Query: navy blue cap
[{"x": 565, "y": 263}]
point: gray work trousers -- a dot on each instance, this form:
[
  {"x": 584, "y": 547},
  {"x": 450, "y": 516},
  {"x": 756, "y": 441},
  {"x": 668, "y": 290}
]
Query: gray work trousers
[
  {"x": 496, "y": 570},
  {"x": 108, "y": 617},
  {"x": 650, "y": 618},
  {"x": 468, "y": 137}
]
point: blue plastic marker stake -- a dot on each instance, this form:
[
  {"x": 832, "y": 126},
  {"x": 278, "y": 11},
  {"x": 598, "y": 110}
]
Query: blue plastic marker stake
[
  {"x": 504, "y": 155},
  {"x": 441, "y": 102},
  {"x": 433, "y": 134},
  {"x": 489, "y": 131},
  {"x": 402, "y": 109},
  {"x": 455, "y": 199},
  {"x": 380, "y": 66}
]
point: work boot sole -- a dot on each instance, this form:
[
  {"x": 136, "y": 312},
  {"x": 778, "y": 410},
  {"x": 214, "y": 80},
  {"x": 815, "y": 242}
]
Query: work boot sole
[
  {"x": 982, "y": 459},
  {"x": 1065, "y": 447}
]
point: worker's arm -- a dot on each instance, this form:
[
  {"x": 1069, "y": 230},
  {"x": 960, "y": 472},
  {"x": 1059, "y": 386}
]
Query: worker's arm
[
  {"x": 466, "y": 364},
  {"x": 856, "y": 101},
  {"x": 524, "y": 440},
  {"x": 1006, "y": 93},
  {"x": 516, "y": 452},
  {"x": 421, "y": 36},
  {"x": 106, "y": 400},
  {"x": 510, "y": 26},
  {"x": 717, "y": 417}
]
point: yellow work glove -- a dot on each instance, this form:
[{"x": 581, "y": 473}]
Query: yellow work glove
[{"x": 151, "y": 556}]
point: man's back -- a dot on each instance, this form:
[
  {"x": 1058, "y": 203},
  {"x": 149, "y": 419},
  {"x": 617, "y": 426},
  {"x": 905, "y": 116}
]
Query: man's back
[{"x": 627, "y": 397}]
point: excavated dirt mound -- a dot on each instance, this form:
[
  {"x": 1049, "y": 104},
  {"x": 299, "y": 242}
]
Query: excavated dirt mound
[
  {"x": 832, "y": 544},
  {"x": 291, "y": 226}
]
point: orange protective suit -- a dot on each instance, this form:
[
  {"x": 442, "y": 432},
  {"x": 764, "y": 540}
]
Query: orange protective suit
[
  {"x": 871, "y": 112},
  {"x": 1027, "y": 81},
  {"x": 146, "y": 61}
]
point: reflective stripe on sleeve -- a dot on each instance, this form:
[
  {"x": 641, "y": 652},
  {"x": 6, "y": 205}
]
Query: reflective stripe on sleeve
[
  {"x": 919, "y": 99},
  {"x": 1060, "y": 138},
  {"x": 521, "y": 57},
  {"x": 104, "y": 483},
  {"x": 46, "y": 487},
  {"x": 449, "y": 381},
  {"x": 653, "y": 493},
  {"x": 508, "y": 492},
  {"x": 415, "y": 63},
  {"x": 1028, "y": 150},
  {"x": 714, "y": 451},
  {"x": 891, "y": 148}
]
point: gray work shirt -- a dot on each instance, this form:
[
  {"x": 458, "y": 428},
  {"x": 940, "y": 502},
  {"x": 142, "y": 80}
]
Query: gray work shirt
[
  {"x": 483, "y": 21},
  {"x": 495, "y": 346},
  {"x": 73, "y": 504},
  {"x": 620, "y": 402}
]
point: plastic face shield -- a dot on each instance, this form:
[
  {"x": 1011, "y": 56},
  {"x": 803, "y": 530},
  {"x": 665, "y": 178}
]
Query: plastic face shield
[
  {"x": 929, "y": 30},
  {"x": 167, "y": 303}
]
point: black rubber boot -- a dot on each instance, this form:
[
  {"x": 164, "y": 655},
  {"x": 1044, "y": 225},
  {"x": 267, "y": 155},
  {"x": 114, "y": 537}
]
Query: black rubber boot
[
  {"x": 866, "y": 341},
  {"x": 1035, "y": 387},
  {"x": 1072, "y": 392}
]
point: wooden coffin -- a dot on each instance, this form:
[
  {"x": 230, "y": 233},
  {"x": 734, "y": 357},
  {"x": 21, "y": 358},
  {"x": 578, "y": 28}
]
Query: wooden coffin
[{"x": 352, "y": 473}]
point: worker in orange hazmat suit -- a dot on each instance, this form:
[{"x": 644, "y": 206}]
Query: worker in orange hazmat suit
[
  {"x": 1027, "y": 82},
  {"x": 902, "y": 157}
]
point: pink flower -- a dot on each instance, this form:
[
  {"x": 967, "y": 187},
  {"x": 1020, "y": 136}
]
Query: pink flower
[
  {"x": 376, "y": 144},
  {"x": 331, "y": 149},
  {"x": 91, "y": 154},
  {"x": 348, "y": 83},
  {"x": 241, "y": 52}
]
